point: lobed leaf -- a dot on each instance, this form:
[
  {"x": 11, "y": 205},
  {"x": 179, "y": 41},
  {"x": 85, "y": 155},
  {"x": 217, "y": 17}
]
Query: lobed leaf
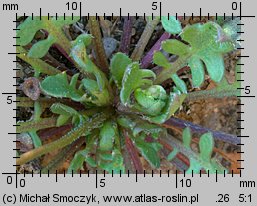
[
  {"x": 27, "y": 30},
  {"x": 98, "y": 88},
  {"x": 207, "y": 44},
  {"x": 58, "y": 86}
]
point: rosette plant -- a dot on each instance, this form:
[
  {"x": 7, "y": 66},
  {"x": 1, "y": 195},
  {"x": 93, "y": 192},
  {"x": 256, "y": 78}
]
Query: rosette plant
[{"x": 112, "y": 113}]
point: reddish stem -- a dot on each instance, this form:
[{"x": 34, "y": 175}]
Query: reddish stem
[
  {"x": 126, "y": 35},
  {"x": 60, "y": 49},
  {"x": 148, "y": 58},
  {"x": 179, "y": 123},
  {"x": 54, "y": 133},
  {"x": 133, "y": 154},
  {"x": 98, "y": 46}
]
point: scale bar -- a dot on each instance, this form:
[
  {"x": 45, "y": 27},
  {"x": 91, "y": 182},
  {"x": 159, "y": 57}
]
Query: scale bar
[{"x": 245, "y": 96}]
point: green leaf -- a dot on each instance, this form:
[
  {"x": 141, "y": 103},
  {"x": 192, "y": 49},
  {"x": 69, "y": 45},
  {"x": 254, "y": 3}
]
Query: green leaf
[
  {"x": 99, "y": 91},
  {"x": 173, "y": 154},
  {"x": 107, "y": 136},
  {"x": 187, "y": 137},
  {"x": 91, "y": 161},
  {"x": 58, "y": 86},
  {"x": 193, "y": 35},
  {"x": 126, "y": 122},
  {"x": 65, "y": 113},
  {"x": 206, "y": 145},
  {"x": 94, "y": 95},
  {"x": 39, "y": 49},
  {"x": 35, "y": 138},
  {"x": 59, "y": 108},
  {"x": 207, "y": 43},
  {"x": 139, "y": 127},
  {"x": 27, "y": 30},
  {"x": 119, "y": 63},
  {"x": 173, "y": 46},
  {"x": 197, "y": 161},
  {"x": 37, "y": 64},
  {"x": 74, "y": 80},
  {"x": 208, "y": 46},
  {"x": 149, "y": 152},
  {"x": 151, "y": 100},
  {"x": 148, "y": 129},
  {"x": 171, "y": 24},
  {"x": 134, "y": 78},
  {"x": 90, "y": 85},
  {"x": 62, "y": 119},
  {"x": 115, "y": 165},
  {"x": 106, "y": 156},
  {"x": 76, "y": 162},
  {"x": 174, "y": 102},
  {"x": 82, "y": 155},
  {"x": 79, "y": 55},
  {"x": 195, "y": 166},
  {"x": 180, "y": 84},
  {"x": 86, "y": 39},
  {"x": 161, "y": 60},
  {"x": 197, "y": 71}
]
